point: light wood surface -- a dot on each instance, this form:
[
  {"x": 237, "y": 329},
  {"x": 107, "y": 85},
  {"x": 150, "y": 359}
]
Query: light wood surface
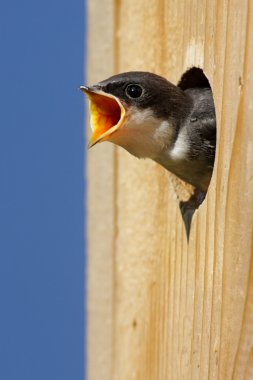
[{"x": 159, "y": 308}]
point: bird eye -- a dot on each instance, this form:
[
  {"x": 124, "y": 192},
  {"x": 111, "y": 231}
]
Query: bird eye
[{"x": 134, "y": 91}]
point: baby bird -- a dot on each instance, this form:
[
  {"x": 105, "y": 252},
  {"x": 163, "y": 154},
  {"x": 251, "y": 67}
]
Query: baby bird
[{"x": 151, "y": 118}]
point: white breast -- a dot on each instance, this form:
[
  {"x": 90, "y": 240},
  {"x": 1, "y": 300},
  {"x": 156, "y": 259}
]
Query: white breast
[
  {"x": 181, "y": 146},
  {"x": 143, "y": 134}
]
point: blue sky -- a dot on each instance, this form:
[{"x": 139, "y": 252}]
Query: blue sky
[{"x": 42, "y": 190}]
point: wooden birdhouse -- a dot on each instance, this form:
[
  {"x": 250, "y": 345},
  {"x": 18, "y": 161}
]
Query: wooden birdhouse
[{"x": 159, "y": 307}]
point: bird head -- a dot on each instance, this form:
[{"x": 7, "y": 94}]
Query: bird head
[{"x": 136, "y": 110}]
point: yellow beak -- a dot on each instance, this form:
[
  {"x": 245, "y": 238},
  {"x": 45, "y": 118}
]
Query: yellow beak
[{"x": 107, "y": 114}]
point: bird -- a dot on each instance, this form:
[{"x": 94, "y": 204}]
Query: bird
[{"x": 152, "y": 118}]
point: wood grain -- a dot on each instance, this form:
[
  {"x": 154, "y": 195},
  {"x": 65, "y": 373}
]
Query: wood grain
[
  {"x": 100, "y": 207},
  {"x": 159, "y": 308}
]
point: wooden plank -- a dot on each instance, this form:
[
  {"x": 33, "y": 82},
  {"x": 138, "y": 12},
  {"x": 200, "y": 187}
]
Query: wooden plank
[
  {"x": 100, "y": 206},
  {"x": 174, "y": 310}
]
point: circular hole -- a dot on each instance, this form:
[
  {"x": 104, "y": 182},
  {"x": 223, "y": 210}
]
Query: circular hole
[{"x": 195, "y": 82}]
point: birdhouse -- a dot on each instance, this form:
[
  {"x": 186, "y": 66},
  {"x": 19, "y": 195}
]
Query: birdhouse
[{"x": 161, "y": 306}]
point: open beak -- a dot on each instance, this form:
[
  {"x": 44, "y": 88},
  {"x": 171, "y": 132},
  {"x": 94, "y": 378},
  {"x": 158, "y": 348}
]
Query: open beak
[{"x": 107, "y": 114}]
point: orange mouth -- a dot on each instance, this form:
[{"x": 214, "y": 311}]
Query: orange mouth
[{"x": 106, "y": 114}]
